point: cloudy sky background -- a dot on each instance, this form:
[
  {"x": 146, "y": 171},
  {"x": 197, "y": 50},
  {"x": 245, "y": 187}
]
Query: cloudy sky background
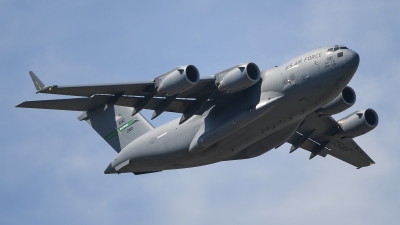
[{"x": 52, "y": 165}]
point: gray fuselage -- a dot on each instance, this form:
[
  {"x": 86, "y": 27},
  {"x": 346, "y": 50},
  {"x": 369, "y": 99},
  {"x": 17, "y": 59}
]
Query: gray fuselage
[{"x": 248, "y": 123}]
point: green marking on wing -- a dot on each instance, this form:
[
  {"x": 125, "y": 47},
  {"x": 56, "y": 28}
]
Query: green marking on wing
[{"x": 121, "y": 128}]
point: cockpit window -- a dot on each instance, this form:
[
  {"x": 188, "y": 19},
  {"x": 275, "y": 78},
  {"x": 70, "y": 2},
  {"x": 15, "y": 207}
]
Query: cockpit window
[{"x": 335, "y": 48}]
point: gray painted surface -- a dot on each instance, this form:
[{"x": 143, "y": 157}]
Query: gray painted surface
[
  {"x": 278, "y": 108},
  {"x": 118, "y": 127}
]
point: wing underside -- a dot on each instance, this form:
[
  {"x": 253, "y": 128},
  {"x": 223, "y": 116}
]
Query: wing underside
[
  {"x": 318, "y": 135},
  {"x": 85, "y": 104},
  {"x": 138, "y": 95}
]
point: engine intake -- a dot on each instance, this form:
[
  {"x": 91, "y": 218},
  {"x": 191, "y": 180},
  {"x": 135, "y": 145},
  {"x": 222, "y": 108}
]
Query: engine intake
[
  {"x": 177, "y": 80},
  {"x": 358, "y": 123},
  {"x": 343, "y": 101},
  {"x": 238, "y": 78}
]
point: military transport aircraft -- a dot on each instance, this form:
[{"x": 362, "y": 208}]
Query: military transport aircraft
[{"x": 238, "y": 113}]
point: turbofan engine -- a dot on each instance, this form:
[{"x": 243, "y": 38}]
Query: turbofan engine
[
  {"x": 177, "y": 80},
  {"x": 238, "y": 77},
  {"x": 358, "y": 123},
  {"x": 343, "y": 101}
]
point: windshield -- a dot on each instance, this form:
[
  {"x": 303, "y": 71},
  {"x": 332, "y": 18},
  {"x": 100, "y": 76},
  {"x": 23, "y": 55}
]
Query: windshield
[{"x": 337, "y": 47}]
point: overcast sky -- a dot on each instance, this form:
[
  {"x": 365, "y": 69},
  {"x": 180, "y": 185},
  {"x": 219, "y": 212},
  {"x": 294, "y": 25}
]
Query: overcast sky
[{"x": 51, "y": 169}]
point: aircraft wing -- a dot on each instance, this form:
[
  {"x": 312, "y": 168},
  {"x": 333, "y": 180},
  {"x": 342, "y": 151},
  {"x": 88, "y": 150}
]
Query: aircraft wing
[
  {"x": 138, "y": 95},
  {"x": 203, "y": 87},
  {"x": 318, "y": 135},
  {"x": 84, "y": 104}
]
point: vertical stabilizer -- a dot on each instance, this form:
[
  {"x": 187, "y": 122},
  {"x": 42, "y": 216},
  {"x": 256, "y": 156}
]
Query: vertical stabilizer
[{"x": 117, "y": 126}]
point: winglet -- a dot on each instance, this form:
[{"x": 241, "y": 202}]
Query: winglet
[{"x": 37, "y": 82}]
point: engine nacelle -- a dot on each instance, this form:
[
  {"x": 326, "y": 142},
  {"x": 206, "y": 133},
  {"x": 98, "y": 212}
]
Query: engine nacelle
[
  {"x": 343, "y": 101},
  {"x": 178, "y": 80},
  {"x": 358, "y": 123},
  {"x": 238, "y": 78}
]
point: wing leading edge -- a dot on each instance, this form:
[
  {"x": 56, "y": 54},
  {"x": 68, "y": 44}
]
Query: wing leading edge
[{"x": 203, "y": 87}]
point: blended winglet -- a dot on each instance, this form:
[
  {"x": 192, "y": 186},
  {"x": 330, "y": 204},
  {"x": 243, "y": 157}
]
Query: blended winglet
[{"x": 37, "y": 82}]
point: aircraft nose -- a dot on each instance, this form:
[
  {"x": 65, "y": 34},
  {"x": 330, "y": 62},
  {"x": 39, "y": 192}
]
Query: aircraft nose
[{"x": 353, "y": 59}]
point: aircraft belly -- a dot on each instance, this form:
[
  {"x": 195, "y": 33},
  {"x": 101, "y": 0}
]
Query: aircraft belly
[
  {"x": 165, "y": 148},
  {"x": 257, "y": 131},
  {"x": 146, "y": 165},
  {"x": 269, "y": 142},
  {"x": 241, "y": 146},
  {"x": 179, "y": 142},
  {"x": 190, "y": 160}
]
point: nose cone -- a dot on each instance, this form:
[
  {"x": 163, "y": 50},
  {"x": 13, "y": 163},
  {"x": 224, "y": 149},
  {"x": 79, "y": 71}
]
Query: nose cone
[
  {"x": 109, "y": 170},
  {"x": 352, "y": 59}
]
